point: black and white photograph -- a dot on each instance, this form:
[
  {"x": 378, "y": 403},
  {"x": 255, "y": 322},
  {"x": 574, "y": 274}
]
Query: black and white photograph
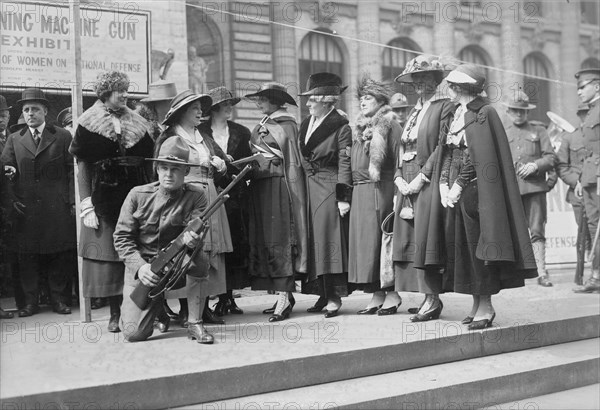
[{"x": 310, "y": 204}]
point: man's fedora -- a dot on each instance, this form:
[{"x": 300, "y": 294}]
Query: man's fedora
[
  {"x": 3, "y": 104},
  {"x": 33, "y": 94},
  {"x": 184, "y": 98},
  {"x": 324, "y": 84},
  {"x": 274, "y": 90},
  {"x": 520, "y": 102},
  {"x": 174, "y": 150},
  {"x": 160, "y": 90},
  {"x": 222, "y": 94}
]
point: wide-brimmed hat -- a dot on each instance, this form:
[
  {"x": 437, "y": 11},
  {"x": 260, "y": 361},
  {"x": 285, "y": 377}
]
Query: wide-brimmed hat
[
  {"x": 586, "y": 75},
  {"x": 560, "y": 121},
  {"x": 423, "y": 64},
  {"x": 273, "y": 90},
  {"x": 399, "y": 100},
  {"x": 65, "y": 117},
  {"x": 161, "y": 90},
  {"x": 222, "y": 94},
  {"x": 174, "y": 150},
  {"x": 33, "y": 94},
  {"x": 324, "y": 84},
  {"x": 519, "y": 102},
  {"x": 469, "y": 76},
  {"x": 3, "y": 104},
  {"x": 184, "y": 98}
]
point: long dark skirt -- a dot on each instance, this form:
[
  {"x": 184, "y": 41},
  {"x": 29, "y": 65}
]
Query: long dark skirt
[
  {"x": 102, "y": 278},
  {"x": 371, "y": 203},
  {"x": 472, "y": 275},
  {"x": 272, "y": 246},
  {"x": 236, "y": 262}
]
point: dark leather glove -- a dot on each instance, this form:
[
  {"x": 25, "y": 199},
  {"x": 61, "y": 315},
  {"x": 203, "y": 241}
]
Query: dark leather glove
[{"x": 19, "y": 207}]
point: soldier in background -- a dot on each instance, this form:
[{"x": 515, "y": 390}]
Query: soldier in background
[
  {"x": 533, "y": 157},
  {"x": 588, "y": 90},
  {"x": 401, "y": 107}
]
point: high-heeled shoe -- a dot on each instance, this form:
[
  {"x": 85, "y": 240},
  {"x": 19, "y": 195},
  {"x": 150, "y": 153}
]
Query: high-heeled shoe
[
  {"x": 318, "y": 306},
  {"x": 430, "y": 314},
  {"x": 221, "y": 307},
  {"x": 284, "y": 314},
  {"x": 369, "y": 311},
  {"x": 233, "y": 308},
  {"x": 415, "y": 310},
  {"x": 467, "y": 320},
  {"x": 270, "y": 310},
  {"x": 197, "y": 331},
  {"x": 208, "y": 316},
  {"x": 169, "y": 311},
  {"x": 388, "y": 311},
  {"x": 482, "y": 324}
]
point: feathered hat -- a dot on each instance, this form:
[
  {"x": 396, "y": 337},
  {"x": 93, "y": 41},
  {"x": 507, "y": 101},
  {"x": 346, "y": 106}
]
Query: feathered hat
[
  {"x": 368, "y": 86},
  {"x": 110, "y": 81}
]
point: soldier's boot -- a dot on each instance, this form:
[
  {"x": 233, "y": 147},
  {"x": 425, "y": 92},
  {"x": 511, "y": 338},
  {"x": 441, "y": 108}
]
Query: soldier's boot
[
  {"x": 592, "y": 285},
  {"x": 539, "y": 252}
]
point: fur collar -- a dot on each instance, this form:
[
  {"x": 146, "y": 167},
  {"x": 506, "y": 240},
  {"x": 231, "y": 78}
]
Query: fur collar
[
  {"x": 372, "y": 133},
  {"x": 330, "y": 124},
  {"x": 97, "y": 120}
]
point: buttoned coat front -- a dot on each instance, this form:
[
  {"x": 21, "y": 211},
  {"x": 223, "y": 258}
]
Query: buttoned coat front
[{"x": 44, "y": 184}]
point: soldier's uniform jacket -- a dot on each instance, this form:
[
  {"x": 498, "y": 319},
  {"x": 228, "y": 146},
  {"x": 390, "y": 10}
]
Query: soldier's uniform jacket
[
  {"x": 591, "y": 143},
  {"x": 150, "y": 219},
  {"x": 530, "y": 143},
  {"x": 571, "y": 155}
]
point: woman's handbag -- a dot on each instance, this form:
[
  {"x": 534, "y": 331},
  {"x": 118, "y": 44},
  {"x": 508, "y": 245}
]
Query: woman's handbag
[
  {"x": 407, "y": 211},
  {"x": 386, "y": 266}
]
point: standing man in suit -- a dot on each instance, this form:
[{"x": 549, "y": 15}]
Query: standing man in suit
[
  {"x": 588, "y": 90},
  {"x": 38, "y": 162},
  {"x": 533, "y": 156}
]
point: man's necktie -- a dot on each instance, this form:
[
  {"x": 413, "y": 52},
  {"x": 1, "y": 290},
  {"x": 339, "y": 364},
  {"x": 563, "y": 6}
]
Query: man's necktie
[{"x": 36, "y": 137}]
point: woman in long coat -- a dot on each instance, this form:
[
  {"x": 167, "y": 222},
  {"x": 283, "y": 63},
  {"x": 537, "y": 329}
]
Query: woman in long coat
[
  {"x": 278, "y": 226},
  {"x": 325, "y": 142},
  {"x": 110, "y": 144},
  {"x": 420, "y": 137},
  {"x": 182, "y": 119},
  {"x": 234, "y": 140},
  {"x": 488, "y": 243},
  {"x": 373, "y": 163}
]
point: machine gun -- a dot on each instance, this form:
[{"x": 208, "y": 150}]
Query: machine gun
[{"x": 170, "y": 263}]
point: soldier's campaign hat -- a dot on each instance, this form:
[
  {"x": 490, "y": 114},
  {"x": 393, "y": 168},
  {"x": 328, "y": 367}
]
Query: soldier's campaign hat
[
  {"x": 184, "y": 98},
  {"x": 399, "y": 100},
  {"x": 222, "y": 94},
  {"x": 160, "y": 90},
  {"x": 274, "y": 90},
  {"x": 519, "y": 102},
  {"x": 324, "y": 84},
  {"x": 422, "y": 64},
  {"x": 174, "y": 150},
  {"x": 65, "y": 117},
  {"x": 33, "y": 94},
  {"x": 560, "y": 122},
  {"x": 3, "y": 104},
  {"x": 587, "y": 75},
  {"x": 468, "y": 76}
]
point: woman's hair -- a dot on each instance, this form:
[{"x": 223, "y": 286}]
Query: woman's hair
[
  {"x": 109, "y": 81},
  {"x": 326, "y": 99}
]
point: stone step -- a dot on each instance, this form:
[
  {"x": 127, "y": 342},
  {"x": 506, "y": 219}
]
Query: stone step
[
  {"x": 484, "y": 382},
  {"x": 580, "y": 398}
]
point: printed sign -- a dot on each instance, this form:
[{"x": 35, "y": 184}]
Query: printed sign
[{"x": 37, "y": 49}]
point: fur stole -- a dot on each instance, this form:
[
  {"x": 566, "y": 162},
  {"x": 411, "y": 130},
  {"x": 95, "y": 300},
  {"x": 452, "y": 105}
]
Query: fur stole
[
  {"x": 97, "y": 120},
  {"x": 372, "y": 133}
]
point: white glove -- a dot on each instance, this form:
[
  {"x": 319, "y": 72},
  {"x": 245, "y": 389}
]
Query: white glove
[
  {"x": 402, "y": 185},
  {"x": 218, "y": 163},
  {"x": 527, "y": 169},
  {"x": 394, "y": 202},
  {"x": 90, "y": 219},
  {"x": 444, "y": 189},
  {"x": 343, "y": 207},
  {"x": 454, "y": 194},
  {"x": 417, "y": 184}
]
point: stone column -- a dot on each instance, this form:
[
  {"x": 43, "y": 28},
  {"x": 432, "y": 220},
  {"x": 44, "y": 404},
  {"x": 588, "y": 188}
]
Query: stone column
[
  {"x": 443, "y": 33},
  {"x": 367, "y": 23},
  {"x": 285, "y": 59},
  {"x": 511, "y": 51},
  {"x": 570, "y": 60}
]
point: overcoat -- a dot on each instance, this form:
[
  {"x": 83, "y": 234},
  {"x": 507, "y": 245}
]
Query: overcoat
[
  {"x": 44, "y": 184},
  {"x": 504, "y": 239},
  {"x": 326, "y": 163}
]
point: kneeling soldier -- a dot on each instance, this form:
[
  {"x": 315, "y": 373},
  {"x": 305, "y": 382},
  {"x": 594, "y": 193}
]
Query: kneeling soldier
[{"x": 151, "y": 217}]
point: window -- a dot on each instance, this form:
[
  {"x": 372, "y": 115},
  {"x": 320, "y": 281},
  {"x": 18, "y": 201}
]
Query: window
[
  {"x": 537, "y": 89},
  {"x": 394, "y": 62},
  {"x": 318, "y": 53},
  {"x": 589, "y": 12},
  {"x": 475, "y": 55}
]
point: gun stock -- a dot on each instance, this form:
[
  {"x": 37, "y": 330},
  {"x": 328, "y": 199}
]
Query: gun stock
[{"x": 161, "y": 263}]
